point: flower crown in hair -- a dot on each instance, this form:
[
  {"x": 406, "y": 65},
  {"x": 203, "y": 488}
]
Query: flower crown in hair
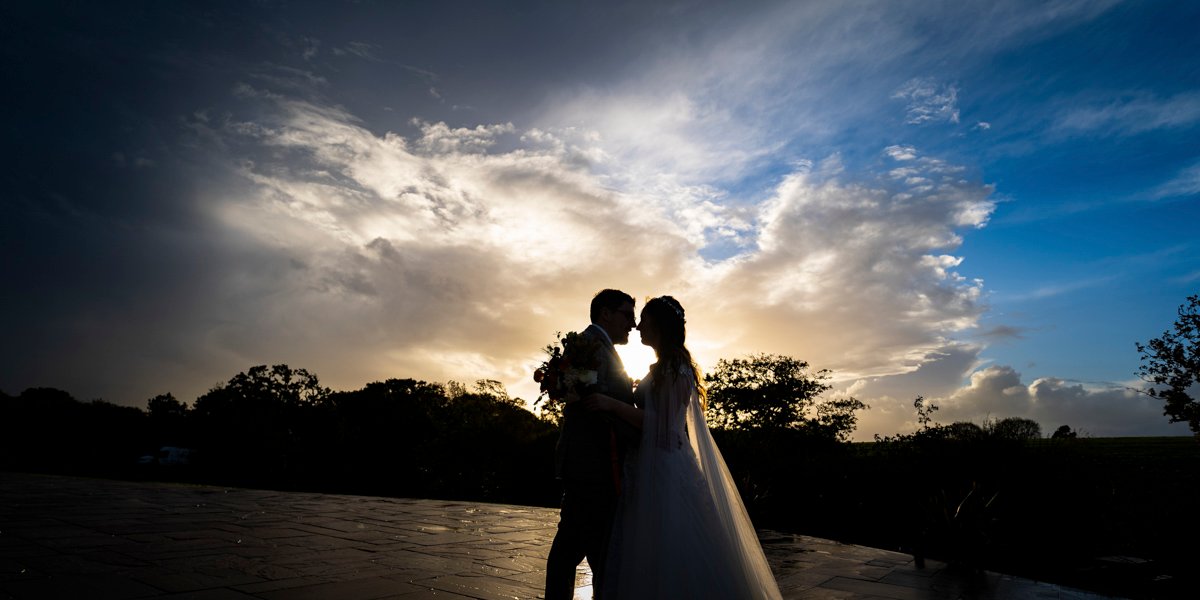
[{"x": 674, "y": 304}]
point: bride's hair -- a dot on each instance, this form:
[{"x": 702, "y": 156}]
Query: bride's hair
[{"x": 673, "y": 354}]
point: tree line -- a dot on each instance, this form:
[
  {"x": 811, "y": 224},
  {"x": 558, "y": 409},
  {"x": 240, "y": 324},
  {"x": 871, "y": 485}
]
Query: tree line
[
  {"x": 279, "y": 427},
  {"x": 279, "y": 421}
]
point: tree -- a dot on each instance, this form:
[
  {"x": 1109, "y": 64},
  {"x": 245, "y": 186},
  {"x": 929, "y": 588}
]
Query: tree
[
  {"x": 964, "y": 431},
  {"x": 767, "y": 391},
  {"x": 257, "y": 421},
  {"x": 390, "y": 427},
  {"x": 1063, "y": 433},
  {"x": 260, "y": 387},
  {"x": 925, "y": 409},
  {"x": 1015, "y": 428},
  {"x": 169, "y": 420},
  {"x": 165, "y": 406},
  {"x": 1173, "y": 360},
  {"x": 483, "y": 387}
]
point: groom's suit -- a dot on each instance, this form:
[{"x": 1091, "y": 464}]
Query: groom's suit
[
  {"x": 584, "y": 453},
  {"x": 591, "y": 447}
]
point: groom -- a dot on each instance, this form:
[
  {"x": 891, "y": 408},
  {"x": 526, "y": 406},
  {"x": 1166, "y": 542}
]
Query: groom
[{"x": 588, "y": 458}]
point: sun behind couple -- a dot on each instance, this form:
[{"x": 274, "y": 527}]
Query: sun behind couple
[{"x": 647, "y": 498}]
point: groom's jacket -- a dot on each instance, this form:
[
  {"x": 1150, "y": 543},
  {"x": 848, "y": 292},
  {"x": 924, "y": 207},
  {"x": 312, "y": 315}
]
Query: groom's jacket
[{"x": 589, "y": 439}]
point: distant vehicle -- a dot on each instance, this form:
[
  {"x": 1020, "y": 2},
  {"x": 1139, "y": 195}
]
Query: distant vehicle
[{"x": 168, "y": 455}]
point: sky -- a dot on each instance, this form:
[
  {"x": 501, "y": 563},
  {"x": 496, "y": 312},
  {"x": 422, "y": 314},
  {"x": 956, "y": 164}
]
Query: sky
[{"x": 984, "y": 203}]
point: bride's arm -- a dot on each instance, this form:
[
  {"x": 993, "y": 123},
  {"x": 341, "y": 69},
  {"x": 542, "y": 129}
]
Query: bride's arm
[{"x": 626, "y": 412}]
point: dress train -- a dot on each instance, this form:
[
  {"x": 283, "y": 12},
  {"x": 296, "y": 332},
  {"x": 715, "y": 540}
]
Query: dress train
[{"x": 681, "y": 529}]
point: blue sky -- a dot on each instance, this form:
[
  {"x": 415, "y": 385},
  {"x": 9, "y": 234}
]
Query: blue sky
[{"x": 986, "y": 203}]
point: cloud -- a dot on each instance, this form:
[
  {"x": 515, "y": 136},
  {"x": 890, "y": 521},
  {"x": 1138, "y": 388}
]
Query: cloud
[
  {"x": 372, "y": 53},
  {"x": 928, "y": 101},
  {"x": 997, "y": 392},
  {"x": 830, "y": 251},
  {"x": 1133, "y": 114},
  {"x": 451, "y": 255},
  {"x": 439, "y": 139},
  {"x": 1185, "y": 183},
  {"x": 726, "y": 97},
  {"x": 1188, "y": 277},
  {"x": 368, "y": 249},
  {"x": 901, "y": 152},
  {"x": 1003, "y": 332},
  {"x": 427, "y": 257},
  {"x": 1107, "y": 410},
  {"x": 312, "y": 46},
  {"x": 360, "y": 49},
  {"x": 280, "y": 77},
  {"x": 1051, "y": 290}
]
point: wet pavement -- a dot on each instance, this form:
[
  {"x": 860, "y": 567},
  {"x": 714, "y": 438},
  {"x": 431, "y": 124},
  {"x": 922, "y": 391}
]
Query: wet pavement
[{"x": 67, "y": 537}]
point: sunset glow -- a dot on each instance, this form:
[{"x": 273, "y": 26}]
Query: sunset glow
[
  {"x": 637, "y": 358},
  {"x": 983, "y": 203}
]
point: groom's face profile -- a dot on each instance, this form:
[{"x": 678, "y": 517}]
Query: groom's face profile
[{"x": 618, "y": 322}]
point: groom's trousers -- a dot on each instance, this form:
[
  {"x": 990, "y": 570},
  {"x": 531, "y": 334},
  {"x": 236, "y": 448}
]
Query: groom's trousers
[{"x": 584, "y": 527}]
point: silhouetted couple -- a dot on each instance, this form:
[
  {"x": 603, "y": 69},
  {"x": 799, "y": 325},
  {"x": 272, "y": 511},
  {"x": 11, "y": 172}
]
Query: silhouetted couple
[{"x": 647, "y": 498}]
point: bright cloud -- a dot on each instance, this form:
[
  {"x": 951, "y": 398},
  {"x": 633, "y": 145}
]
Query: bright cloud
[
  {"x": 1105, "y": 410},
  {"x": 997, "y": 392},
  {"x": 441, "y": 257},
  {"x": 901, "y": 152},
  {"x": 928, "y": 101},
  {"x": 830, "y": 251}
]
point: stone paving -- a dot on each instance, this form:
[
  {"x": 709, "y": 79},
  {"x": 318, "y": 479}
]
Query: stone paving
[{"x": 63, "y": 537}]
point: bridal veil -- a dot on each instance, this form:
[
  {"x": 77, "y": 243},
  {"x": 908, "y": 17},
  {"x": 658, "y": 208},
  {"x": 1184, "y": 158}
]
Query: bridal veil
[{"x": 681, "y": 529}]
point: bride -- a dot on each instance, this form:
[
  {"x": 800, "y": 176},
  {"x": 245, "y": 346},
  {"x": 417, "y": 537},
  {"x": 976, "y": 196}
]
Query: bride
[{"x": 681, "y": 529}]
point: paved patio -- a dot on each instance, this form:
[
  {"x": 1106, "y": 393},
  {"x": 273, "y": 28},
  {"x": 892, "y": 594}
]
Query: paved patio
[{"x": 64, "y": 537}]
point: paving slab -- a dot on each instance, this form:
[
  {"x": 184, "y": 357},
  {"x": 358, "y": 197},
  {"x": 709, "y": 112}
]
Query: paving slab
[{"x": 71, "y": 537}]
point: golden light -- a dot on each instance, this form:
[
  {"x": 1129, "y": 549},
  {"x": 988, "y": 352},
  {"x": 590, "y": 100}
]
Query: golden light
[{"x": 637, "y": 358}]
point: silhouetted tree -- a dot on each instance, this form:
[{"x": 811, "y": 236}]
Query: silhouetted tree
[
  {"x": 925, "y": 409},
  {"x": 484, "y": 387},
  {"x": 114, "y": 434},
  {"x": 488, "y": 447},
  {"x": 49, "y": 399},
  {"x": 257, "y": 421},
  {"x": 1063, "y": 432},
  {"x": 47, "y": 428},
  {"x": 964, "y": 431},
  {"x": 1173, "y": 360},
  {"x": 382, "y": 438},
  {"x": 165, "y": 406},
  {"x": 38, "y": 428},
  {"x": 767, "y": 391},
  {"x": 930, "y": 431},
  {"x": 169, "y": 424},
  {"x": 413, "y": 438},
  {"x": 1015, "y": 428}
]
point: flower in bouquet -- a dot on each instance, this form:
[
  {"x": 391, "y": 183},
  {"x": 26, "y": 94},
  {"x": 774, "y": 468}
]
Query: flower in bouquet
[{"x": 571, "y": 365}]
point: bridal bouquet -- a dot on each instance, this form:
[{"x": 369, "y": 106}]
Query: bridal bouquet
[{"x": 571, "y": 365}]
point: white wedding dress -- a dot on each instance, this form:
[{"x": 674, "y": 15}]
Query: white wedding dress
[{"x": 681, "y": 529}]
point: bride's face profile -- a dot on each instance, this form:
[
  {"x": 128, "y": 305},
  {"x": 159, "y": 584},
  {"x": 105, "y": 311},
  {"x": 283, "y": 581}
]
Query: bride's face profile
[{"x": 647, "y": 330}]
